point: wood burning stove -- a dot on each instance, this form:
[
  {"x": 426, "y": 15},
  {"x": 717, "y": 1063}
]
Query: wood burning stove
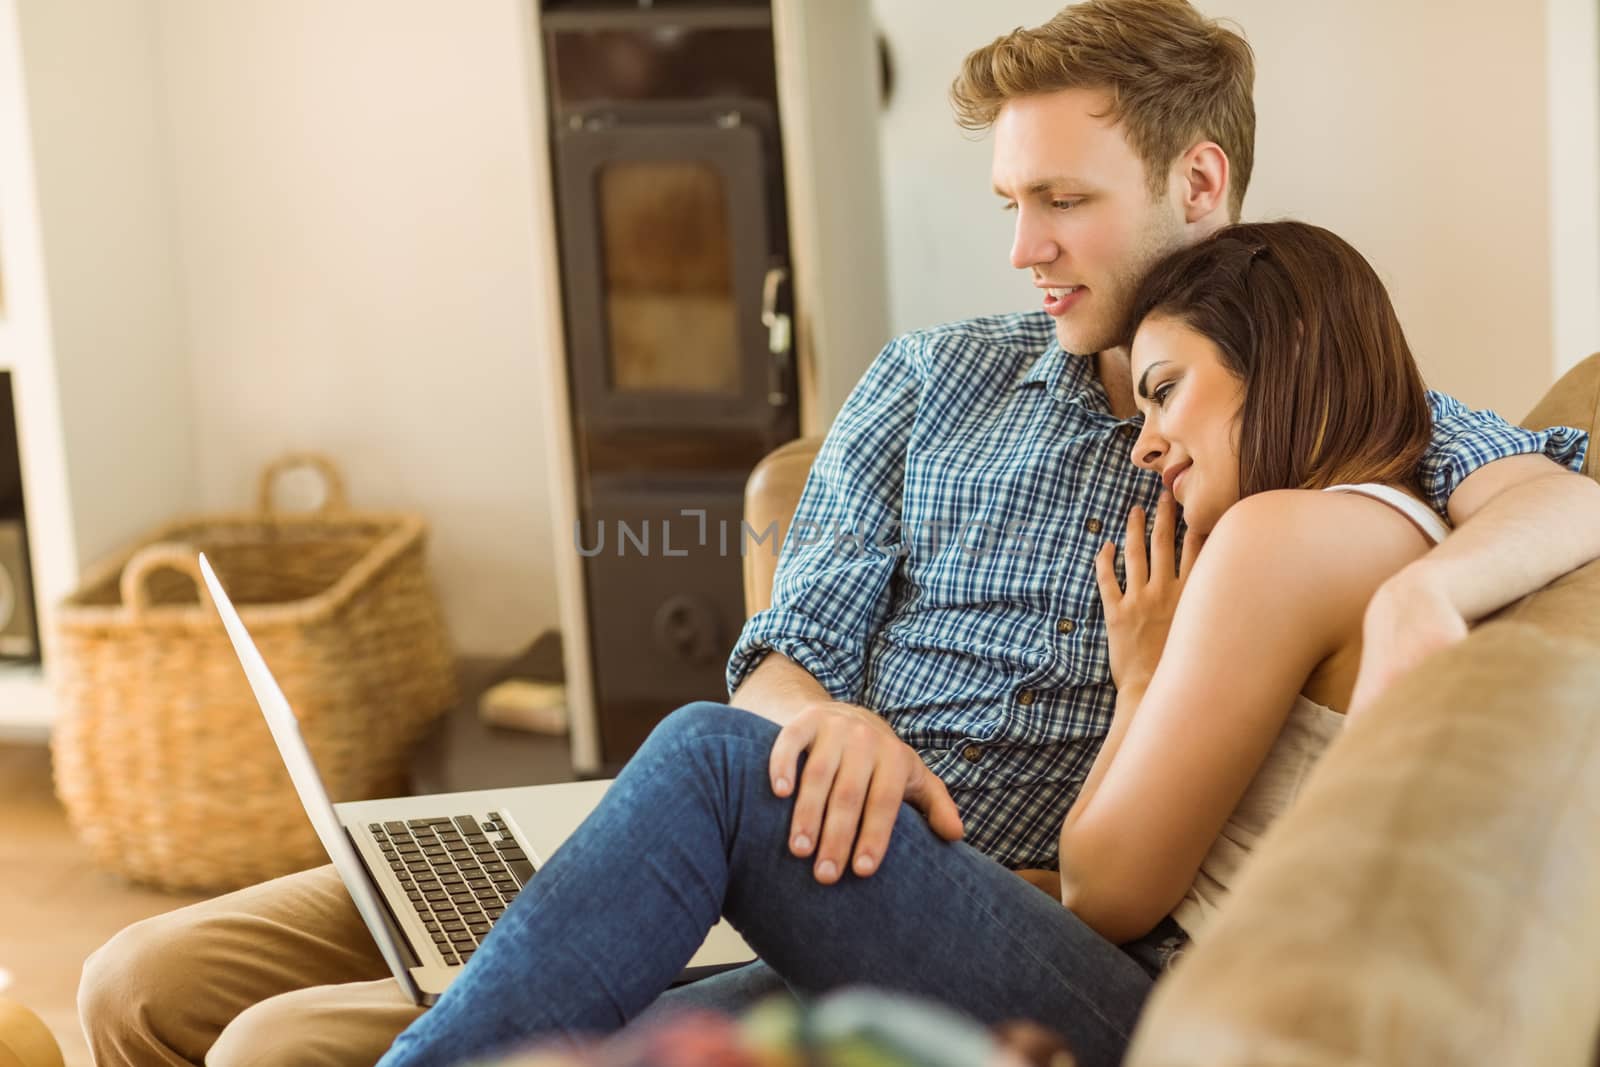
[{"x": 674, "y": 247}]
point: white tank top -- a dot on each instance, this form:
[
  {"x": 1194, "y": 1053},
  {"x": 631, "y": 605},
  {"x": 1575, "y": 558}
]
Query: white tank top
[{"x": 1306, "y": 732}]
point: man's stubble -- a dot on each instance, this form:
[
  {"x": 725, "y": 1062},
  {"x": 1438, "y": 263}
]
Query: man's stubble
[{"x": 1162, "y": 234}]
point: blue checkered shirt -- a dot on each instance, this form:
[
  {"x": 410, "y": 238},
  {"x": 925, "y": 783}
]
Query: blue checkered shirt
[{"x": 940, "y": 566}]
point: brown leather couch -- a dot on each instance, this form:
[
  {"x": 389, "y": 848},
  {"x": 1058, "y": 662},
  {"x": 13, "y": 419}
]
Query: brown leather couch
[{"x": 1433, "y": 899}]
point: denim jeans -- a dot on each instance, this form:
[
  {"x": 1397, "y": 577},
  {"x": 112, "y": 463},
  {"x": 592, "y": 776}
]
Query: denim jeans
[
  {"x": 691, "y": 831},
  {"x": 729, "y": 992}
]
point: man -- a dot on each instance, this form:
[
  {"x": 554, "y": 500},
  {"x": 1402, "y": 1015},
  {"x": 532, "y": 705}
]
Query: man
[
  {"x": 970, "y": 681},
  {"x": 1122, "y": 130}
]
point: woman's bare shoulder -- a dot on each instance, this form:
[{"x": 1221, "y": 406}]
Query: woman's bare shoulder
[{"x": 1336, "y": 545}]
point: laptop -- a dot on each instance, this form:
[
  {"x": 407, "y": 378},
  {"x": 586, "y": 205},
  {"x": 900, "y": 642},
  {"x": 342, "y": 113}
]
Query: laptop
[{"x": 431, "y": 874}]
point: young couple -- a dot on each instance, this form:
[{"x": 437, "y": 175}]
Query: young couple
[{"x": 1087, "y": 732}]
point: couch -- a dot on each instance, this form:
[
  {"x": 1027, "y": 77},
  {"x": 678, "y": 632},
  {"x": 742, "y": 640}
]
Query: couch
[{"x": 1433, "y": 898}]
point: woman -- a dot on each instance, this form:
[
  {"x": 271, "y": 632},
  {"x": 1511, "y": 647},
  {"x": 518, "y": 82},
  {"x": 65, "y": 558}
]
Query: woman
[{"x": 1270, "y": 367}]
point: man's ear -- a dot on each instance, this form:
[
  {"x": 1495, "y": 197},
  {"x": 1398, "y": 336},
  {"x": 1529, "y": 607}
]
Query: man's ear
[{"x": 1202, "y": 174}]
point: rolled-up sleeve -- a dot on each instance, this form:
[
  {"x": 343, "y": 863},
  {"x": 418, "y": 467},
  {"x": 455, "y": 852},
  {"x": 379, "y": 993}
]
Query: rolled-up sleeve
[
  {"x": 831, "y": 590},
  {"x": 1465, "y": 440}
]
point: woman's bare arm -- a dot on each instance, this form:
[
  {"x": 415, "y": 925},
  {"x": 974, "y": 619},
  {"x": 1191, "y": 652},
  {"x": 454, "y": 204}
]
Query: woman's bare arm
[{"x": 1281, "y": 585}]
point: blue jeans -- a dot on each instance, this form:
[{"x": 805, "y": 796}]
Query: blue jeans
[
  {"x": 691, "y": 831},
  {"x": 729, "y": 992}
]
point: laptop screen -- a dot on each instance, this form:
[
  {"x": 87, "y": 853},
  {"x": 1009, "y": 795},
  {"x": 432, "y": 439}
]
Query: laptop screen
[{"x": 303, "y": 772}]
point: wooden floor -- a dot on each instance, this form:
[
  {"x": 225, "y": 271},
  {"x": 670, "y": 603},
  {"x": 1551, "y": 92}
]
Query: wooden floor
[{"x": 56, "y": 907}]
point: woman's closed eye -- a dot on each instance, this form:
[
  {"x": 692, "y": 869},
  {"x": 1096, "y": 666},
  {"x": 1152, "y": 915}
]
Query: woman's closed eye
[{"x": 1160, "y": 393}]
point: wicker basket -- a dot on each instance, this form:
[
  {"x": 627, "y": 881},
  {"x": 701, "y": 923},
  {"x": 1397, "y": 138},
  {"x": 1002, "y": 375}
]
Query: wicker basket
[{"x": 162, "y": 758}]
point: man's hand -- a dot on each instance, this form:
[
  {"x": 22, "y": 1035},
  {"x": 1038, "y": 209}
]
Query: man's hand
[
  {"x": 1138, "y": 618},
  {"x": 1408, "y": 619},
  {"x": 857, "y": 773}
]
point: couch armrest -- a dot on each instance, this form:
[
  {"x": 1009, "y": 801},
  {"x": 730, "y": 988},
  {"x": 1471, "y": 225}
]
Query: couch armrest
[
  {"x": 770, "y": 496},
  {"x": 24, "y": 1039}
]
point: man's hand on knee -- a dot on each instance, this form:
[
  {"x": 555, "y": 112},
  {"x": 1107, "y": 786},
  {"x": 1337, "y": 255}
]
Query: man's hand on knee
[{"x": 857, "y": 773}]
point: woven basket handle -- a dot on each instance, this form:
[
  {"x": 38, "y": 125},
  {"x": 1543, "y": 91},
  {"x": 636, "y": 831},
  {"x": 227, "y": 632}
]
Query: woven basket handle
[
  {"x": 333, "y": 494},
  {"x": 148, "y": 560}
]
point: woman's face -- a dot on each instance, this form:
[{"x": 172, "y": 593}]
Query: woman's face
[{"x": 1191, "y": 405}]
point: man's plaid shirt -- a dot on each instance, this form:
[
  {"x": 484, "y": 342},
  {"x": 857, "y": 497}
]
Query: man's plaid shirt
[{"x": 940, "y": 568}]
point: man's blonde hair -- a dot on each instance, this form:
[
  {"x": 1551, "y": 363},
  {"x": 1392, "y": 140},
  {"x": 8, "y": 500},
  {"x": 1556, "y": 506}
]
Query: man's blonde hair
[{"x": 1175, "y": 78}]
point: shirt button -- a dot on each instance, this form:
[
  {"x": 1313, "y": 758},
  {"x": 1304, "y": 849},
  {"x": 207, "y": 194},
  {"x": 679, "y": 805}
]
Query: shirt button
[
  {"x": 1025, "y": 697},
  {"x": 1066, "y": 626},
  {"x": 972, "y": 753},
  {"x": 1093, "y": 526},
  {"x": 1129, "y": 432}
]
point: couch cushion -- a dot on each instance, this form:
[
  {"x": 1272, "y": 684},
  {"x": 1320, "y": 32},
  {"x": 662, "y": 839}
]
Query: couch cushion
[
  {"x": 1568, "y": 607},
  {"x": 1430, "y": 897}
]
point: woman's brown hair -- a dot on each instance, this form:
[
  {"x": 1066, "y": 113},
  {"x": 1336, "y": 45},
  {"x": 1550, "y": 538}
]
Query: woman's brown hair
[{"x": 1331, "y": 392}]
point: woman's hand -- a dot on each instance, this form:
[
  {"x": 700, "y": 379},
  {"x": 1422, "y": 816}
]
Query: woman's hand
[{"x": 1138, "y": 617}]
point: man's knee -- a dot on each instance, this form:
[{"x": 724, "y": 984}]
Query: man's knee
[
  {"x": 703, "y": 719},
  {"x": 264, "y": 1035},
  {"x": 320, "y": 1026},
  {"x": 134, "y": 981}
]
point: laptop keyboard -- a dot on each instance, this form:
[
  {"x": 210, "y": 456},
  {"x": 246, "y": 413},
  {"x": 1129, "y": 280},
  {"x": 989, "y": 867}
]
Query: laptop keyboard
[{"x": 458, "y": 874}]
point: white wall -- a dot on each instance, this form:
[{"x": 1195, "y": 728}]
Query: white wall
[
  {"x": 1572, "y": 35},
  {"x": 1420, "y": 137},
  {"x": 948, "y": 239},
  {"x": 103, "y": 182},
  {"x": 359, "y": 269},
  {"x": 350, "y": 190}
]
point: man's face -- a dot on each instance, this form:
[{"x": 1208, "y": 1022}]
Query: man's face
[{"x": 1086, "y": 227}]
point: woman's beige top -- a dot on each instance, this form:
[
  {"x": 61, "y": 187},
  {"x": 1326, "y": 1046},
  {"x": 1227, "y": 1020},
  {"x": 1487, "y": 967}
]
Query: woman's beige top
[{"x": 1306, "y": 731}]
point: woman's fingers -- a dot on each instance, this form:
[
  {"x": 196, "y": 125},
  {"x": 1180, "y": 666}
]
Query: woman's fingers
[
  {"x": 1192, "y": 543},
  {"x": 1163, "y": 559},
  {"x": 1136, "y": 558},
  {"x": 1105, "y": 574}
]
